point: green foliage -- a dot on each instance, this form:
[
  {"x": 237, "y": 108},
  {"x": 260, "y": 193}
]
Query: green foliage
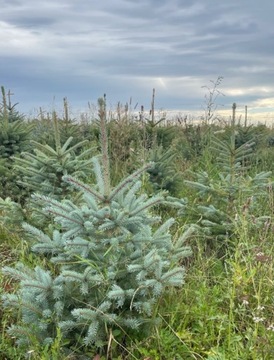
[
  {"x": 245, "y": 134},
  {"x": 14, "y": 132},
  {"x": 194, "y": 140},
  {"x": 230, "y": 189},
  {"x": 14, "y": 138},
  {"x": 42, "y": 170},
  {"x": 153, "y": 135},
  {"x": 231, "y": 158},
  {"x": 124, "y": 147},
  {"x": 82, "y": 271},
  {"x": 44, "y": 128},
  {"x": 11, "y": 212},
  {"x": 8, "y": 181},
  {"x": 108, "y": 257},
  {"x": 112, "y": 263},
  {"x": 164, "y": 175},
  {"x": 226, "y": 306},
  {"x": 166, "y": 135}
]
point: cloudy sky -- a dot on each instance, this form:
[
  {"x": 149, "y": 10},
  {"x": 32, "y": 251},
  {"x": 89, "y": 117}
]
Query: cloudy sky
[{"x": 81, "y": 49}]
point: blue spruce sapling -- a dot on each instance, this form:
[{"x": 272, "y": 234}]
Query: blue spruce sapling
[{"x": 113, "y": 260}]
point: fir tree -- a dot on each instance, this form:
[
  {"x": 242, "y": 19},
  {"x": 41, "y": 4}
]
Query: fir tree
[{"x": 113, "y": 260}]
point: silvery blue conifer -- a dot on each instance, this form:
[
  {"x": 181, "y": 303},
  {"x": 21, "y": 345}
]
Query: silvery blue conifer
[{"x": 113, "y": 260}]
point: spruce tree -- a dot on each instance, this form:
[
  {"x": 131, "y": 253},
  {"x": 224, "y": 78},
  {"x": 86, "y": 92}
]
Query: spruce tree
[
  {"x": 42, "y": 169},
  {"x": 229, "y": 190},
  {"x": 14, "y": 132},
  {"x": 112, "y": 257},
  {"x": 14, "y": 138},
  {"x": 68, "y": 127},
  {"x": 163, "y": 175}
]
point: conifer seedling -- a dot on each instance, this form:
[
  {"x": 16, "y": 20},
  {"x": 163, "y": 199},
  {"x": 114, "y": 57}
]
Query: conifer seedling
[{"x": 113, "y": 260}]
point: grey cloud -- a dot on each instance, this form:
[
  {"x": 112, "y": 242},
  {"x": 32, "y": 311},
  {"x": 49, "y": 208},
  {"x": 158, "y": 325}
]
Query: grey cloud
[
  {"x": 31, "y": 22},
  {"x": 234, "y": 28},
  {"x": 120, "y": 46}
]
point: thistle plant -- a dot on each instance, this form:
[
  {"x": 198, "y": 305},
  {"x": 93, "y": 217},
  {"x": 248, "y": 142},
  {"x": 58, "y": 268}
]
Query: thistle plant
[{"x": 112, "y": 257}]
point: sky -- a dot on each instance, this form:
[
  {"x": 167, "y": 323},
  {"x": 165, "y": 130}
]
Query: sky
[{"x": 124, "y": 48}]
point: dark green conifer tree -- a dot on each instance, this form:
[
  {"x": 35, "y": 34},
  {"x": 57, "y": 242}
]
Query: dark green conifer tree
[
  {"x": 14, "y": 132},
  {"x": 226, "y": 192},
  {"x": 42, "y": 169},
  {"x": 14, "y": 138},
  {"x": 164, "y": 175}
]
